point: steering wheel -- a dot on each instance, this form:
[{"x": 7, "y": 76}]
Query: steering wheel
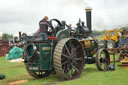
[
  {"x": 59, "y": 24},
  {"x": 56, "y": 20}
]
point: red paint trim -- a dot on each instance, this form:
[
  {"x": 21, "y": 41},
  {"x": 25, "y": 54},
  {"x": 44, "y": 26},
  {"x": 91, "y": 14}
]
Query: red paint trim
[{"x": 52, "y": 37}]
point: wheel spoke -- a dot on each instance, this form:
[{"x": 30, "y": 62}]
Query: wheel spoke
[
  {"x": 67, "y": 69},
  {"x": 67, "y": 49},
  {"x": 70, "y": 73},
  {"x": 65, "y": 55},
  {"x": 77, "y": 59},
  {"x": 105, "y": 66},
  {"x": 40, "y": 73},
  {"x": 75, "y": 68},
  {"x": 64, "y": 68},
  {"x": 71, "y": 49},
  {"x": 70, "y": 44},
  {"x": 65, "y": 62},
  {"x": 76, "y": 47}
]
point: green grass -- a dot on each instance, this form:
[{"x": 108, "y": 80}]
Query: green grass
[{"x": 89, "y": 76}]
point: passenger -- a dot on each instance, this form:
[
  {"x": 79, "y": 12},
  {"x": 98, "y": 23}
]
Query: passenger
[
  {"x": 69, "y": 26},
  {"x": 127, "y": 34},
  {"x": 123, "y": 33},
  {"x": 63, "y": 24},
  {"x": 119, "y": 34}
]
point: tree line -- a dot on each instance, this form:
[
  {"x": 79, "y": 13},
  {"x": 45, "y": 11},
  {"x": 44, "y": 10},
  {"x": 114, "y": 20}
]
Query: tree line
[
  {"x": 6, "y": 36},
  {"x": 98, "y": 33}
]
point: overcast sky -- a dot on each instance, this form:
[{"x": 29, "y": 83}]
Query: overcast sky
[{"x": 24, "y": 15}]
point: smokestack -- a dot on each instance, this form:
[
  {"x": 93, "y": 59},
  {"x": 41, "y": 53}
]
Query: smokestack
[
  {"x": 20, "y": 36},
  {"x": 88, "y": 18}
]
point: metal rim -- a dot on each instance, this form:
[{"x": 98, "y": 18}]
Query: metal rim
[
  {"x": 102, "y": 59},
  {"x": 68, "y": 59}
]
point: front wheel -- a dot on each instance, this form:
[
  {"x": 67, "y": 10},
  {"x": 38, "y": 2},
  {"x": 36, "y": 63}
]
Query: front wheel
[
  {"x": 36, "y": 75},
  {"x": 111, "y": 44},
  {"x": 104, "y": 43},
  {"x": 102, "y": 59}
]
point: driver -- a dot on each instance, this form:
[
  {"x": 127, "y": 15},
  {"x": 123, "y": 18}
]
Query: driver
[{"x": 43, "y": 28}]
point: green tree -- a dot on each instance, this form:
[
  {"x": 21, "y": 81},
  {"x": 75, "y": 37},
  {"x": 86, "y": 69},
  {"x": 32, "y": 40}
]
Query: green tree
[
  {"x": 124, "y": 28},
  {"x": 7, "y": 36},
  {"x": 96, "y": 33}
]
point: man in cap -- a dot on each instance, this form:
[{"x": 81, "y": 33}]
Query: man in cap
[{"x": 43, "y": 28}]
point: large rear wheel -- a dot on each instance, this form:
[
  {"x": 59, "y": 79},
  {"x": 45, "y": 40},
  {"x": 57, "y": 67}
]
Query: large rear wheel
[{"x": 68, "y": 58}]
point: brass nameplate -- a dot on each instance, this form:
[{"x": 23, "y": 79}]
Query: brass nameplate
[{"x": 46, "y": 48}]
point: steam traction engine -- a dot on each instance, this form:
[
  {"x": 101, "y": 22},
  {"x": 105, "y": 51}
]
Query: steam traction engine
[{"x": 65, "y": 52}]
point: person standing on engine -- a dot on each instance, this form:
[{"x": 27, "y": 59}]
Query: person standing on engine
[
  {"x": 70, "y": 26},
  {"x": 43, "y": 28}
]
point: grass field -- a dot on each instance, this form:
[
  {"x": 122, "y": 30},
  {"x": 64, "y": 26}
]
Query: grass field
[{"x": 89, "y": 76}]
